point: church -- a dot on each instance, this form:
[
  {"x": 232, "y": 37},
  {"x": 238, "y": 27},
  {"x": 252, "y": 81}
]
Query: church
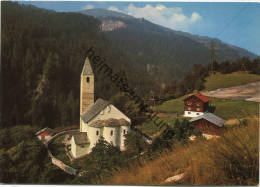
[{"x": 97, "y": 119}]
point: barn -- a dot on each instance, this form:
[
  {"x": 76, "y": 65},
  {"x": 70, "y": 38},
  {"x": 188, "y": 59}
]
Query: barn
[
  {"x": 208, "y": 123},
  {"x": 196, "y": 105}
]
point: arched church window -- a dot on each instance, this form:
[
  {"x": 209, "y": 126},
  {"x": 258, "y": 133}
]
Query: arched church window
[
  {"x": 111, "y": 133},
  {"x": 88, "y": 79},
  {"x": 124, "y": 131},
  {"x": 97, "y": 133}
]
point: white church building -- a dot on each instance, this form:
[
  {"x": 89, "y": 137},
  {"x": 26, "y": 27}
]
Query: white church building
[{"x": 97, "y": 119}]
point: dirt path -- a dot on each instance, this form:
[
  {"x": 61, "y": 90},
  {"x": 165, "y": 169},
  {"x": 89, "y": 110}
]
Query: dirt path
[{"x": 248, "y": 92}]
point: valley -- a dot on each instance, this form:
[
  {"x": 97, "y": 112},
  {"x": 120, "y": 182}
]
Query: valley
[{"x": 123, "y": 101}]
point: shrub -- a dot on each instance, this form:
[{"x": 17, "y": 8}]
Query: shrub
[
  {"x": 103, "y": 159},
  {"x": 135, "y": 143}
]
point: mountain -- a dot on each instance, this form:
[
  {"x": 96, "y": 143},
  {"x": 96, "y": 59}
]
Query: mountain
[
  {"x": 167, "y": 50},
  {"x": 221, "y": 47},
  {"x": 101, "y": 13},
  {"x": 43, "y": 53}
]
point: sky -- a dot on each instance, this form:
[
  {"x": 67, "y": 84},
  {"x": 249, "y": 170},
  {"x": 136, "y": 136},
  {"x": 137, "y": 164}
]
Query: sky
[{"x": 236, "y": 23}]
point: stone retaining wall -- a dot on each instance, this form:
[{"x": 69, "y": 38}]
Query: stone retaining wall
[
  {"x": 57, "y": 162},
  {"x": 62, "y": 166},
  {"x": 59, "y": 134}
]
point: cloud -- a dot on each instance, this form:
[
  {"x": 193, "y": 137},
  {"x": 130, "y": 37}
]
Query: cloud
[
  {"x": 171, "y": 17},
  {"x": 113, "y": 8},
  {"x": 86, "y": 7},
  {"x": 195, "y": 17}
]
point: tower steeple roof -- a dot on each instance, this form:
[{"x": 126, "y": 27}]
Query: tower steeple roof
[{"x": 87, "y": 70}]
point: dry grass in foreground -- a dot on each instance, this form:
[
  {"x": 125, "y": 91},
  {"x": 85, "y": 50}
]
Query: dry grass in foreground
[{"x": 229, "y": 160}]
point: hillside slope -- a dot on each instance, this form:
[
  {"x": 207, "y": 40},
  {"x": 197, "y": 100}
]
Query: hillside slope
[
  {"x": 229, "y": 160},
  {"x": 225, "y": 108},
  {"x": 171, "y": 52},
  {"x": 42, "y": 56},
  {"x": 219, "y": 80}
]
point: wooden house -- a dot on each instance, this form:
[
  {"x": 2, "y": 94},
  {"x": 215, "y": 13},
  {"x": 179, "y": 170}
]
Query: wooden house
[
  {"x": 208, "y": 123},
  {"x": 196, "y": 105}
]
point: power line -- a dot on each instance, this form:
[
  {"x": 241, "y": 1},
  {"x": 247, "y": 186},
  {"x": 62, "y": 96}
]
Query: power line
[
  {"x": 212, "y": 50},
  {"x": 234, "y": 17}
]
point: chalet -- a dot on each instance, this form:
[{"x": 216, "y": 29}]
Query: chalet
[
  {"x": 196, "y": 105},
  {"x": 45, "y": 134},
  {"x": 208, "y": 123}
]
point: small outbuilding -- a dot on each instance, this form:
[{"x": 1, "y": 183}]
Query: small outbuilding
[
  {"x": 79, "y": 144},
  {"x": 208, "y": 123},
  {"x": 45, "y": 134}
]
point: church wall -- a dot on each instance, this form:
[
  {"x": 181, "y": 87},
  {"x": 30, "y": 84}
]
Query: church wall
[
  {"x": 123, "y": 131},
  {"x": 114, "y": 138},
  {"x": 111, "y": 112},
  {"x": 84, "y": 126},
  {"x": 92, "y": 135}
]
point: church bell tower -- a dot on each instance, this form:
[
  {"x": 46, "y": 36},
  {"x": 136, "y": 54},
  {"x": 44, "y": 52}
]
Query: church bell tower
[{"x": 86, "y": 88}]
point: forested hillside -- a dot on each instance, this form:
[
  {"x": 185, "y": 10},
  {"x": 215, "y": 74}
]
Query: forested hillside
[
  {"x": 170, "y": 53},
  {"x": 42, "y": 58}
]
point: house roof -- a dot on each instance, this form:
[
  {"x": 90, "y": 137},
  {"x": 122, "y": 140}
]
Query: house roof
[
  {"x": 87, "y": 70},
  {"x": 202, "y": 97},
  {"x": 199, "y": 96},
  {"x": 218, "y": 121},
  {"x": 46, "y": 130},
  {"x": 94, "y": 110},
  {"x": 81, "y": 138},
  {"x": 110, "y": 123}
]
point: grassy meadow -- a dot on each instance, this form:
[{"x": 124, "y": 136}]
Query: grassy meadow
[
  {"x": 238, "y": 109},
  {"x": 225, "y": 108},
  {"x": 219, "y": 80},
  {"x": 232, "y": 159},
  {"x": 171, "y": 106},
  {"x": 152, "y": 130}
]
